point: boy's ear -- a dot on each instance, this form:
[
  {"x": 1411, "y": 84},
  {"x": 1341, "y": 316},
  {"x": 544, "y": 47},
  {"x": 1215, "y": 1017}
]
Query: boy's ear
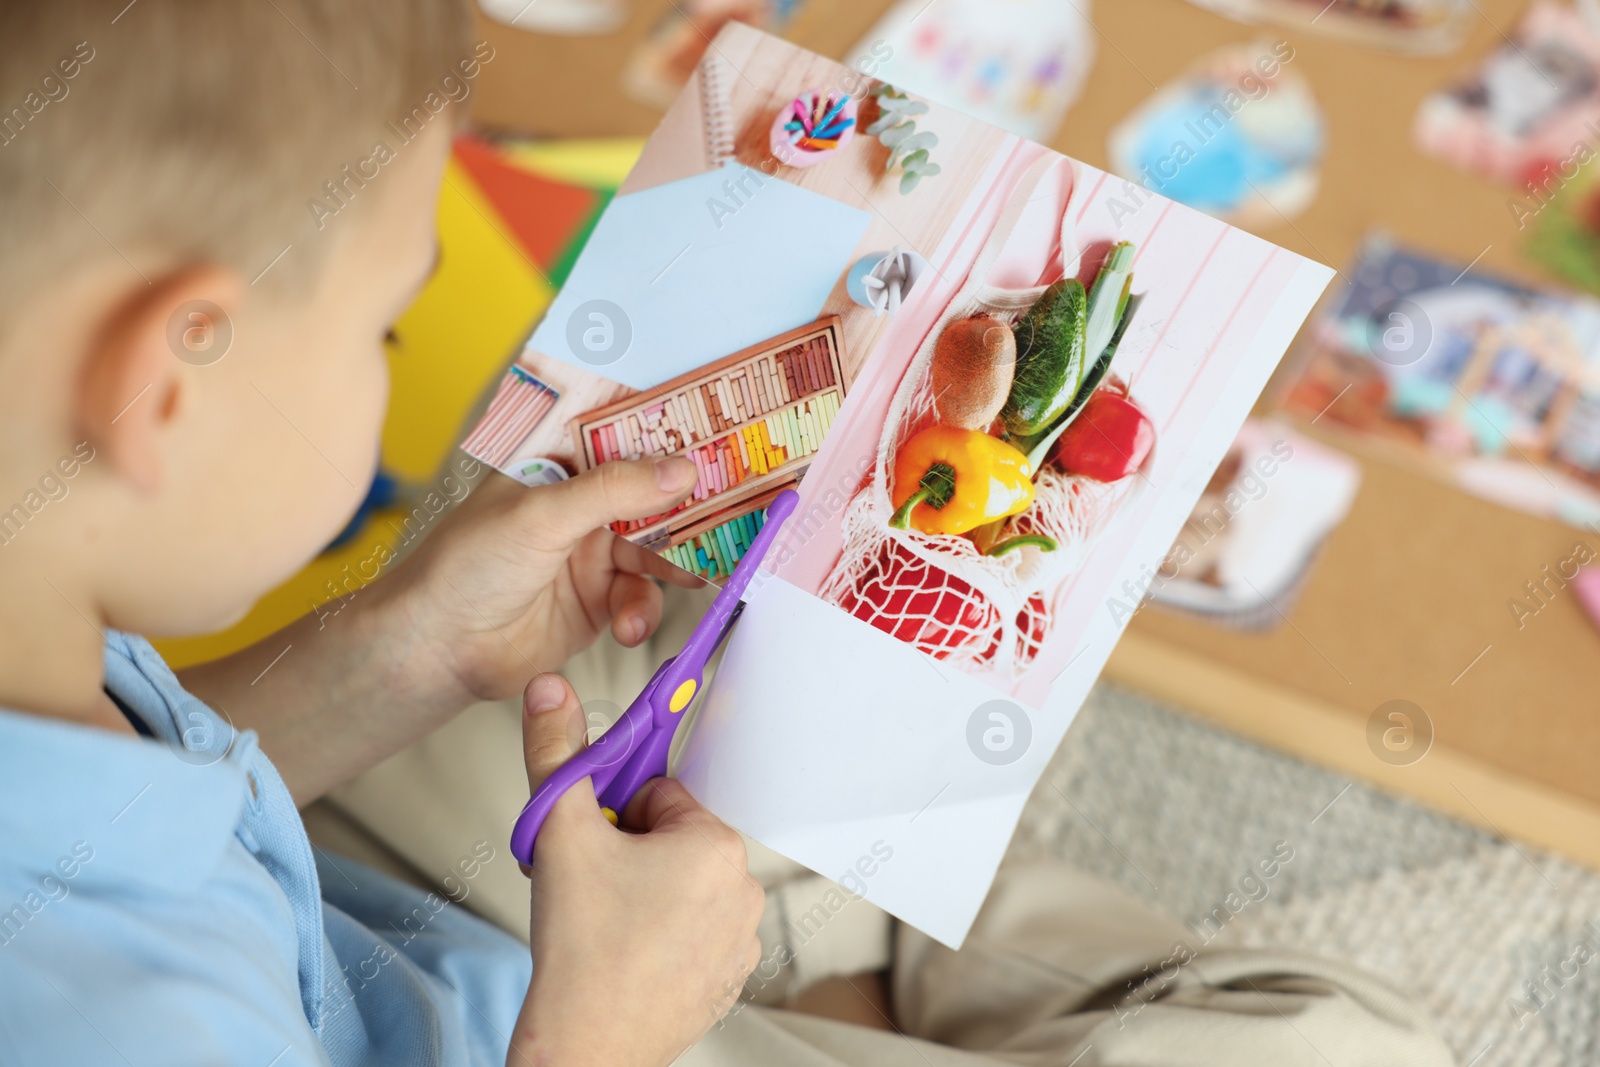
[{"x": 145, "y": 363}]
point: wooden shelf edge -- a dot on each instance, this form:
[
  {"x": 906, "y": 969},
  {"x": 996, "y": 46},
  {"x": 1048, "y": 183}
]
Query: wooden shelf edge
[{"x": 1322, "y": 734}]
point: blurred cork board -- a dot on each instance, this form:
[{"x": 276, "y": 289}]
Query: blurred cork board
[{"x": 1409, "y": 599}]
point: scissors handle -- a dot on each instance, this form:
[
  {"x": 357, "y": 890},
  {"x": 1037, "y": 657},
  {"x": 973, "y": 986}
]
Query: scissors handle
[
  {"x": 635, "y": 748},
  {"x": 648, "y": 761},
  {"x": 599, "y": 762}
]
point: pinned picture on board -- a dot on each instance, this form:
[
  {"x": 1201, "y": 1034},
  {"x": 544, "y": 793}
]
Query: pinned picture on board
[{"x": 1238, "y": 136}]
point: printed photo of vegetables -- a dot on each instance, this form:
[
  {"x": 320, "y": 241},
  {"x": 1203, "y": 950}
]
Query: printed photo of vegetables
[
  {"x": 998, "y": 378},
  {"x": 1010, "y": 445}
]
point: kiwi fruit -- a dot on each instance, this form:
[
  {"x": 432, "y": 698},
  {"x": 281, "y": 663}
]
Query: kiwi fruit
[{"x": 973, "y": 363}]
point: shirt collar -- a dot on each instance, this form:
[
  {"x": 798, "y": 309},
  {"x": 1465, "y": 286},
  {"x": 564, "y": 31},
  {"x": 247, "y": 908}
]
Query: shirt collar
[{"x": 129, "y": 811}]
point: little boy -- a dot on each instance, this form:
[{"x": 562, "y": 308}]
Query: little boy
[
  {"x": 192, "y": 379},
  {"x": 210, "y": 213}
]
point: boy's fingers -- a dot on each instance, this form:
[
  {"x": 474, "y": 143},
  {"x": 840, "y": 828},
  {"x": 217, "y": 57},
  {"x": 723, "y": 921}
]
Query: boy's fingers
[
  {"x": 635, "y": 604},
  {"x": 553, "y": 727},
  {"x": 620, "y": 489},
  {"x": 660, "y": 803},
  {"x": 663, "y": 805}
]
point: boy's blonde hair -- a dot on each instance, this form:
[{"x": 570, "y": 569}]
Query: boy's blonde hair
[{"x": 207, "y": 130}]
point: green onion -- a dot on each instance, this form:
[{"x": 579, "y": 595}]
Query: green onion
[{"x": 1108, "y": 297}]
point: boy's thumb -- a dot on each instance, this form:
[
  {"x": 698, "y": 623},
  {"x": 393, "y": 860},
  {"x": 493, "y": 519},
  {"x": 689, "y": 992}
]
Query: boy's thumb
[
  {"x": 619, "y": 489},
  {"x": 553, "y": 726}
]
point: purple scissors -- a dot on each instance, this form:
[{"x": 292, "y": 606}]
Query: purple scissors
[{"x": 634, "y": 749}]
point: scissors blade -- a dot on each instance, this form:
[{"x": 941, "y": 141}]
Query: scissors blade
[{"x": 727, "y": 628}]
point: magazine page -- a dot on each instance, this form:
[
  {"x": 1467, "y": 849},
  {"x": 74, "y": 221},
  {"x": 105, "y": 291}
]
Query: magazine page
[{"x": 999, "y": 380}]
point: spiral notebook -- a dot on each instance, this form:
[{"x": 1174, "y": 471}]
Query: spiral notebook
[{"x": 714, "y": 110}]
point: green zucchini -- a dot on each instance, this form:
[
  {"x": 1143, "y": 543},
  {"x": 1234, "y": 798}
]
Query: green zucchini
[
  {"x": 1038, "y": 448},
  {"x": 1050, "y": 356}
]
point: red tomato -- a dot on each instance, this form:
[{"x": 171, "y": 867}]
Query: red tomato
[{"x": 1109, "y": 440}]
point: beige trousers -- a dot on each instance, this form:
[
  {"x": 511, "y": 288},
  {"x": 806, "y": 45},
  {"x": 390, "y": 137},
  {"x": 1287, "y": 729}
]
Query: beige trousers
[
  {"x": 1064, "y": 970},
  {"x": 1060, "y": 969}
]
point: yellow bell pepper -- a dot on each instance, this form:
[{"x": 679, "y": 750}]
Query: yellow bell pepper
[{"x": 949, "y": 480}]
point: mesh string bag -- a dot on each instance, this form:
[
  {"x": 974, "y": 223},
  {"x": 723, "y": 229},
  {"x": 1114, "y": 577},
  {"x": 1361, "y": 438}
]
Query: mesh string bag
[{"x": 937, "y": 592}]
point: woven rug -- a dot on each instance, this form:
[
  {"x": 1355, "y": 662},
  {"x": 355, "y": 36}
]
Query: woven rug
[{"x": 1490, "y": 934}]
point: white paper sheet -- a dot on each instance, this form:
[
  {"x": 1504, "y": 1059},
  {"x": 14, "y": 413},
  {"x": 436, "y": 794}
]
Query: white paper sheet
[{"x": 890, "y": 696}]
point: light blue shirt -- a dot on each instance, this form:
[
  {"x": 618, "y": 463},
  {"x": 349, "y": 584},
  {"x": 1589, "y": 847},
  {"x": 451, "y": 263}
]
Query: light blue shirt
[{"x": 161, "y": 905}]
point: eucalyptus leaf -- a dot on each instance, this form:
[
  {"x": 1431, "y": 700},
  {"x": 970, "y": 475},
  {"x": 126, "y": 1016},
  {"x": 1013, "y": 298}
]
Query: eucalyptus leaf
[
  {"x": 915, "y": 107},
  {"x": 881, "y": 123},
  {"x": 912, "y": 160},
  {"x": 893, "y": 136},
  {"x": 928, "y": 170},
  {"x": 923, "y": 140},
  {"x": 908, "y": 181}
]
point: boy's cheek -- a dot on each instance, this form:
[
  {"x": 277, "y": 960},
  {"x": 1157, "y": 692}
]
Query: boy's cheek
[
  {"x": 346, "y": 396},
  {"x": 311, "y": 446}
]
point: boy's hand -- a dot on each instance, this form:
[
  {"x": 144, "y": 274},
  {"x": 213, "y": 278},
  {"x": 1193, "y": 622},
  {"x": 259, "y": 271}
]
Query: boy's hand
[
  {"x": 641, "y": 941},
  {"x": 509, "y": 585},
  {"x": 516, "y": 580}
]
